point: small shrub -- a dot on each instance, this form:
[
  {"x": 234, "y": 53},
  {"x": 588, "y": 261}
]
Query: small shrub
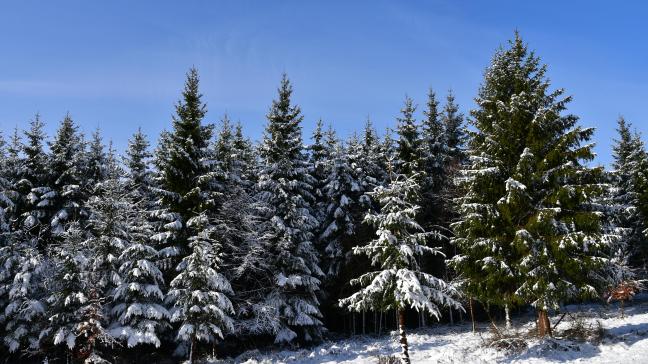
[{"x": 581, "y": 330}]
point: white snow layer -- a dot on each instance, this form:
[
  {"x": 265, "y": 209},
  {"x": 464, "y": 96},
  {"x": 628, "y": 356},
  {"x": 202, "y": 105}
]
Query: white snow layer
[{"x": 626, "y": 342}]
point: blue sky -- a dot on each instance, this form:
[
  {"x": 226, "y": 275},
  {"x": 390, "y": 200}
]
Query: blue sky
[{"x": 118, "y": 65}]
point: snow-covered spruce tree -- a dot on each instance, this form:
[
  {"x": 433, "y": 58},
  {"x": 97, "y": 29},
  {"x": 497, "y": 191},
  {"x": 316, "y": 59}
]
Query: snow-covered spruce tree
[
  {"x": 184, "y": 181},
  {"x": 369, "y": 161},
  {"x": 199, "y": 292},
  {"x": 12, "y": 170},
  {"x": 455, "y": 134},
  {"x": 95, "y": 164},
  {"x": 190, "y": 189},
  {"x": 224, "y": 146},
  {"x": 138, "y": 302},
  {"x": 139, "y": 177},
  {"x": 68, "y": 288},
  {"x": 630, "y": 192},
  {"x": 320, "y": 163},
  {"x": 398, "y": 283},
  {"x": 22, "y": 264},
  {"x": 342, "y": 192},
  {"x": 108, "y": 228},
  {"x": 282, "y": 267},
  {"x": 388, "y": 156},
  {"x": 527, "y": 231},
  {"x": 9, "y": 239},
  {"x": 245, "y": 160},
  {"x": 25, "y": 311},
  {"x": 138, "y": 310},
  {"x": 408, "y": 145},
  {"x": 35, "y": 181},
  {"x": 63, "y": 197},
  {"x": 232, "y": 162},
  {"x": 434, "y": 155}
]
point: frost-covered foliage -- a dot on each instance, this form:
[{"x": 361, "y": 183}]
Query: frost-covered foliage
[
  {"x": 408, "y": 146},
  {"x": 109, "y": 227},
  {"x": 398, "y": 282},
  {"x": 24, "y": 313},
  {"x": 68, "y": 290},
  {"x": 139, "y": 177},
  {"x": 138, "y": 311},
  {"x": 34, "y": 182},
  {"x": 186, "y": 176},
  {"x": 342, "y": 193},
  {"x": 95, "y": 163},
  {"x": 527, "y": 230},
  {"x": 282, "y": 266},
  {"x": 138, "y": 308},
  {"x": 199, "y": 293},
  {"x": 629, "y": 193},
  {"x": 64, "y": 197}
]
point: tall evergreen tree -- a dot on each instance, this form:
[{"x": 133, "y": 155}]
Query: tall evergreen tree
[
  {"x": 184, "y": 177},
  {"x": 398, "y": 283},
  {"x": 455, "y": 135},
  {"x": 68, "y": 292},
  {"x": 138, "y": 301},
  {"x": 64, "y": 196},
  {"x": 342, "y": 193},
  {"x": 23, "y": 265},
  {"x": 108, "y": 227},
  {"x": 245, "y": 157},
  {"x": 35, "y": 180},
  {"x": 408, "y": 150},
  {"x": 630, "y": 177},
  {"x": 284, "y": 259},
  {"x": 527, "y": 231},
  {"x": 139, "y": 176},
  {"x": 370, "y": 159},
  {"x": 96, "y": 161}
]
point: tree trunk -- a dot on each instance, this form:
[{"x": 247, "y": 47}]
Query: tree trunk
[
  {"x": 375, "y": 322},
  {"x": 451, "y": 316},
  {"x": 472, "y": 314},
  {"x": 403, "y": 337},
  {"x": 363, "y": 323},
  {"x": 507, "y": 313},
  {"x": 621, "y": 305},
  {"x": 544, "y": 326},
  {"x": 191, "y": 350}
]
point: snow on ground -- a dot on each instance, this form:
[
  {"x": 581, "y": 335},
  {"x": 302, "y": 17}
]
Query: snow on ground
[{"x": 626, "y": 341}]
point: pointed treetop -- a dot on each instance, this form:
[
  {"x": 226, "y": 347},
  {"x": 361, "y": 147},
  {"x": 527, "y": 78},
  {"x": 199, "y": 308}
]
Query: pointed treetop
[{"x": 190, "y": 109}]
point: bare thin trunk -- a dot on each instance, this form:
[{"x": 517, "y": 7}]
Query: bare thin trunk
[
  {"x": 403, "y": 337},
  {"x": 363, "y": 323},
  {"x": 507, "y": 313},
  {"x": 472, "y": 314},
  {"x": 376, "y": 322},
  {"x": 544, "y": 326},
  {"x": 451, "y": 316},
  {"x": 191, "y": 350}
]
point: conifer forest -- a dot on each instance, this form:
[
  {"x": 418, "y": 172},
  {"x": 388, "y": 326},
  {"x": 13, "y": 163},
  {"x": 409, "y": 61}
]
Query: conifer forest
[{"x": 201, "y": 244}]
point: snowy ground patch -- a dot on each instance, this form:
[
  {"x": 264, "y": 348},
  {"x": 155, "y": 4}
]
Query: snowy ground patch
[{"x": 625, "y": 341}]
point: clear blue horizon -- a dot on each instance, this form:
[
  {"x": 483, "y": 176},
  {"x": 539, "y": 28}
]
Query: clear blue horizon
[{"x": 119, "y": 65}]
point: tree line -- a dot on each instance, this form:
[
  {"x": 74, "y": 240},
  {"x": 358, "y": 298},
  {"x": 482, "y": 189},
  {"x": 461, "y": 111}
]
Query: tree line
[{"x": 212, "y": 243}]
